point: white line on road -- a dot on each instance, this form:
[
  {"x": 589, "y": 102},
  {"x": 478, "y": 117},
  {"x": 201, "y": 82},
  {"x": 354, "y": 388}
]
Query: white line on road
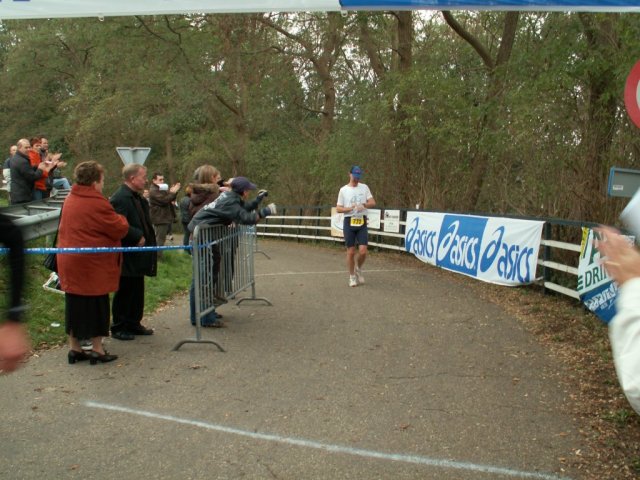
[
  {"x": 329, "y": 272},
  {"x": 299, "y": 442}
]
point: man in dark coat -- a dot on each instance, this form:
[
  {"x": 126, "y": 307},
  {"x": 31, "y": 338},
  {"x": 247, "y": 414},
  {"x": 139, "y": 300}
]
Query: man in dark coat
[
  {"x": 128, "y": 301},
  {"x": 23, "y": 175}
]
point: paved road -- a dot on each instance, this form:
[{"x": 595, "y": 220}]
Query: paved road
[{"x": 406, "y": 377}]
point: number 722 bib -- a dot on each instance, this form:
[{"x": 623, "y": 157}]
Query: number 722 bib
[{"x": 356, "y": 221}]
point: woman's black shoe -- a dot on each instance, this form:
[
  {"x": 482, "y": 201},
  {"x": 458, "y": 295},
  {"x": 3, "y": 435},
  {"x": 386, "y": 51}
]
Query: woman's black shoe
[
  {"x": 95, "y": 357},
  {"x": 75, "y": 356}
]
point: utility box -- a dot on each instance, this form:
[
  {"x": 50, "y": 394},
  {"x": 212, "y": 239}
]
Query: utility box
[
  {"x": 133, "y": 154},
  {"x": 623, "y": 182}
]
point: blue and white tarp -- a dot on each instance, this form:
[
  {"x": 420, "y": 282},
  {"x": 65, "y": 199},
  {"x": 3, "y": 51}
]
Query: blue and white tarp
[
  {"x": 496, "y": 250},
  {"x": 17, "y": 9}
]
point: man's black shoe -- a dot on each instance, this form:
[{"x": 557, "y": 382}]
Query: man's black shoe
[
  {"x": 142, "y": 331},
  {"x": 122, "y": 336}
]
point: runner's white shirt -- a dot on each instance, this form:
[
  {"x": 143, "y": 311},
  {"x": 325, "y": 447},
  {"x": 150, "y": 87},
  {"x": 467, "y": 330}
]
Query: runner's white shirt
[{"x": 352, "y": 196}]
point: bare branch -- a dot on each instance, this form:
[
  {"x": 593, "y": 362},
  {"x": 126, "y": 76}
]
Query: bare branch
[{"x": 470, "y": 39}]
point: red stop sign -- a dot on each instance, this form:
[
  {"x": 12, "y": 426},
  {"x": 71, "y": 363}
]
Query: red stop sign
[{"x": 632, "y": 94}]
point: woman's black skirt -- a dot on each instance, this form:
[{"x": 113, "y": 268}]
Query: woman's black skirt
[{"x": 86, "y": 316}]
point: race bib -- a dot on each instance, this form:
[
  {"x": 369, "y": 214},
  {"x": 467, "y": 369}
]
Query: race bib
[{"x": 357, "y": 221}]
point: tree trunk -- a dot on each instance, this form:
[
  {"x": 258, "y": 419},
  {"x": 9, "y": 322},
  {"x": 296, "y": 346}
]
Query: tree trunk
[
  {"x": 168, "y": 152},
  {"x": 599, "y": 128},
  {"x": 496, "y": 83}
]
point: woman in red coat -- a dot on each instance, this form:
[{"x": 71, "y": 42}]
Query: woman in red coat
[{"x": 88, "y": 220}]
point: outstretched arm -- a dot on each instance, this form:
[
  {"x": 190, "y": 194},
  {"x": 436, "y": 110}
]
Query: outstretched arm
[{"x": 622, "y": 262}]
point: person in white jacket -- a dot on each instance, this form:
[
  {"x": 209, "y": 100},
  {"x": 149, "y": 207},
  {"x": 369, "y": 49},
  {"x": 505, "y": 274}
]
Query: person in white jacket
[{"x": 622, "y": 262}]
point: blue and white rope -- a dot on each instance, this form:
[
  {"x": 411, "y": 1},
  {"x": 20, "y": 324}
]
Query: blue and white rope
[{"x": 99, "y": 249}]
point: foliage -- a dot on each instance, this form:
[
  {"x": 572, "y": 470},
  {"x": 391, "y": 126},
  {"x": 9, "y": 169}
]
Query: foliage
[{"x": 292, "y": 100}]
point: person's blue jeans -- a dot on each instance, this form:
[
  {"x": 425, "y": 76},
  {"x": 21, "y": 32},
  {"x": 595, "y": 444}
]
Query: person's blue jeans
[
  {"x": 209, "y": 319},
  {"x": 61, "y": 183},
  {"x": 38, "y": 194},
  {"x": 186, "y": 234}
]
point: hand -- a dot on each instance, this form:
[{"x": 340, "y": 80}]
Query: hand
[
  {"x": 14, "y": 345},
  {"x": 46, "y": 166},
  {"x": 55, "y": 157},
  {"x": 175, "y": 188},
  {"x": 261, "y": 195},
  {"x": 141, "y": 242},
  {"x": 268, "y": 210},
  {"x": 619, "y": 257}
]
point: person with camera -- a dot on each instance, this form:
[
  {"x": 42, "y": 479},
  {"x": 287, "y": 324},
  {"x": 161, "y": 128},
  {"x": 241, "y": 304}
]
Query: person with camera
[
  {"x": 232, "y": 206},
  {"x": 622, "y": 262}
]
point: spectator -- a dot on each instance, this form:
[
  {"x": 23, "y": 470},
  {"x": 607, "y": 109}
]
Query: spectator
[
  {"x": 128, "y": 301},
  {"x": 14, "y": 341},
  {"x": 55, "y": 178},
  {"x": 228, "y": 208},
  {"x": 23, "y": 176},
  {"x": 185, "y": 218},
  {"x": 6, "y": 167},
  {"x": 89, "y": 220},
  {"x": 622, "y": 262},
  {"x": 161, "y": 199},
  {"x": 204, "y": 190},
  {"x": 174, "y": 207},
  {"x": 35, "y": 158}
]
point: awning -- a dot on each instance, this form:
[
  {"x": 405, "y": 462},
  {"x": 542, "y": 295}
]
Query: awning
[
  {"x": 16, "y": 9},
  {"x": 532, "y": 5},
  {"x": 23, "y": 9}
]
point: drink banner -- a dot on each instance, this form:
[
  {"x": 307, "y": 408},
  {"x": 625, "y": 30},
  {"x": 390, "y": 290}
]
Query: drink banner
[
  {"x": 496, "y": 250},
  {"x": 597, "y": 291},
  {"x": 15, "y": 9},
  {"x": 531, "y": 5}
]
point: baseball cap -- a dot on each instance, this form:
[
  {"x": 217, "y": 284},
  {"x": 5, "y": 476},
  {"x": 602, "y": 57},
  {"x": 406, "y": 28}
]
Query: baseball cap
[
  {"x": 356, "y": 172},
  {"x": 241, "y": 185}
]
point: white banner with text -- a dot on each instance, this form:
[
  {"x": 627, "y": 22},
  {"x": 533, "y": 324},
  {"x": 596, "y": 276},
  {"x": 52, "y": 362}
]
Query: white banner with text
[{"x": 496, "y": 250}]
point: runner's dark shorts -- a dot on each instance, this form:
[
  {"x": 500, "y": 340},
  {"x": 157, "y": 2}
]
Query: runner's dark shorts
[{"x": 353, "y": 235}]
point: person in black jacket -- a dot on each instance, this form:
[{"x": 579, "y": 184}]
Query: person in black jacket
[
  {"x": 232, "y": 207},
  {"x": 23, "y": 175},
  {"x": 14, "y": 340},
  {"x": 128, "y": 301},
  {"x": 161, "y": 198}
]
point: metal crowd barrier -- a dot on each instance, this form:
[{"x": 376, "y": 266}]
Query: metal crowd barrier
[{"x": 223, "y": 267}]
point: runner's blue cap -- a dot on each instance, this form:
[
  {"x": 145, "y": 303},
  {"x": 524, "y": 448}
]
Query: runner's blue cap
[{"x": 356, "y": 172}]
